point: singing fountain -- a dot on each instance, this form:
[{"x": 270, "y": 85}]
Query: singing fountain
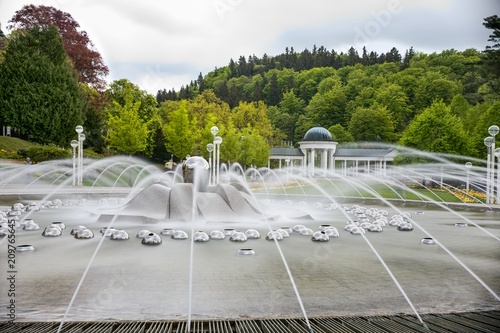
[{"x": 138, "y": 249}]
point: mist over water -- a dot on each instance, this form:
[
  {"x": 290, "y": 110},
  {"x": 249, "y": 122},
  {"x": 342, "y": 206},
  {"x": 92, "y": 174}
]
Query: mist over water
[{"x": 373, "y": 274}]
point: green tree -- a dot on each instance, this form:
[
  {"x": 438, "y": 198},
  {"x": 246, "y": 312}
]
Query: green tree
[
  {"x": 39, "y": 91},
  {"x": 231, "y": 144},
  {"x": 94, "y": 118},
  {"x": 303, "y": 124},
  {"x": 180, "y": 133},
  {"x": 208, "y": 110},
  {"x": 85, "y": 59},
  {"x": 490, "y": 117},
  {"x": 253, "y": 149},
  {"x": 434, "y": 86},
  {"x": 340, "y": 134},
  {"x": 306, "y": 82},
  {"x": 126, "y": 131},
  {"x": 460, "y": 107},
  {"x": 3, "y": 45},
  {"x": 492, "y": 53},
  {"x": 372, "y": 124},
  {"x": 394, "y": 98},
  {"x": 254, "y": 115},
  {"x": 286, "y": 115},
  {"x": 272, "y": 90},
  {"x": 436, "y": 129},
  {"x": 120, "y": 90},
  {"x": 328, "y": 108}
]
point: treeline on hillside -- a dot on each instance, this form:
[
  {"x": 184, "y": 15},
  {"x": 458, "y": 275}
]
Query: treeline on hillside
[
  {"x": 305, "y": 60},
  {"x": 347, "y": 92}
]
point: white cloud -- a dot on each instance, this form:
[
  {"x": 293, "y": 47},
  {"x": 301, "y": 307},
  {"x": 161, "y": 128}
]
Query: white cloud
[{"x": 186, "y": 37}]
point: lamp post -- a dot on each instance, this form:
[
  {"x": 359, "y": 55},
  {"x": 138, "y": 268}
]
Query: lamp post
[
  {"x": 287, "y": 161},
  {"x": 488, "y": 141},
  {"x": 210, "y": 148},
  {"x": 218, "y": 141},
  {"x": 81, "y": 138},
  {"x": 441, "y": 180},
  {"x": 468, "y": 165},
  {"x": 497, "y": 154},
  {"x": 493, "y": 131},
  {"x": 214, "y": 130},
  {"x": 74, "y": 144},
  {"x": 79, "y": 130}
]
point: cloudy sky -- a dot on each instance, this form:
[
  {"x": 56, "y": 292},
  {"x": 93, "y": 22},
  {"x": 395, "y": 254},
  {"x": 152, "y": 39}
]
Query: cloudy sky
[{"x": 160, "y": 44}]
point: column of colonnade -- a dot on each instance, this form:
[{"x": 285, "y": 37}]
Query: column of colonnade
[{"x": 327, "y": 160}]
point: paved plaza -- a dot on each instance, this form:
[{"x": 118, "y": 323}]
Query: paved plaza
[{"x": 384, "y": 274}]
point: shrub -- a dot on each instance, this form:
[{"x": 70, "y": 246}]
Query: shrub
[
  {"x": 44, "y": 153},
  {"x": 8, "y": 154}
]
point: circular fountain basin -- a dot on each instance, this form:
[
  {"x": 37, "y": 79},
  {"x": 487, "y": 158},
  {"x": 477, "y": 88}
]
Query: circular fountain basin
[
  {"x": 107, "y": 231},
  {"x": 332, "y": 232},
  {"x": 4, "y": 231},
  {"x": 238, "y": 236},
  {"x": 52, "y": 231},
  {"x": 461, "y": 225},
  {"x": 406, "y": 215},
  {"x": 357, "y": 231},
  {"x": 284, "y": 233},
  {"x": 77, "y": 228},
  {"x": 179, "y": 234},
  {"x": 364, "y": 225},
  {"x": 14, "y": 213},
  {"x": 32, "y": 207},
  {"x": 167, "y": 232},
  {"x": 217, "y": 235},
  {"x": 25, "y": 221},
  {"x": 31, "y": 226},
  {"x": 395, "y": 222},
  {"x": 375, "y": 228},
  {"x": 274, "y": 235},
  {"x": 201, "y": 236},
  {"x": 306, "y": 232},
  {"x": 119, "y": 234},
  {"x": 320, "y": 236},
  {"x": 350, "y": 226},
  {"x": 252, "y": 234},
  {"x": 143, "y": 233},
  {"x": 25, "y": 248},
  {"x": 59, "y": 224},
  {"x": 17, "y": 206},
  {"x": 151, "y": 239},
  {"x": 84, "y": 234},
  {"x": 428, "y": 241},
  {"x": 246, "y": 252},
  {"x": 297, "y": 228},
  {"x": 405, "y": 226},
  {"x": 229, "y": 231}
]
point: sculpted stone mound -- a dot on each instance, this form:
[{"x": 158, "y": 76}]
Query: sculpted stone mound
[{"x": 160, "y": 202}]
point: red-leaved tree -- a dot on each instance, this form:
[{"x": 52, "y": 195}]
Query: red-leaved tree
[{"x": 80, "y": 49}]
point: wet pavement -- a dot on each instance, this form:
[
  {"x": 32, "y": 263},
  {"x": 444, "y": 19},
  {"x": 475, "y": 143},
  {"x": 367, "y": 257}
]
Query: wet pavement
[{"x": 383, "y": 274}]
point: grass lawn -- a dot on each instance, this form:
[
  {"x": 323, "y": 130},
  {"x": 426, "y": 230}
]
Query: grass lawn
[
  {"x": 9, "y": 146},
  {"x": 342, "y": 188}
]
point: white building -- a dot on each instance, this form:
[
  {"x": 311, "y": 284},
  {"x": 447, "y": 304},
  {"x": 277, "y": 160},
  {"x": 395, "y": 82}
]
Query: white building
[{"x": 318, "y": 154}]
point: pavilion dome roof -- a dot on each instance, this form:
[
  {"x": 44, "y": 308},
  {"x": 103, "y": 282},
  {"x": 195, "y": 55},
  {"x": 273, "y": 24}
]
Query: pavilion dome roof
[{"x": 318, "y": 133}]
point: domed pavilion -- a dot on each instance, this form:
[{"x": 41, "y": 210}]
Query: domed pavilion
[
  {"x": 318, "y": 154},
  {"x": 318, "y": 148}
]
